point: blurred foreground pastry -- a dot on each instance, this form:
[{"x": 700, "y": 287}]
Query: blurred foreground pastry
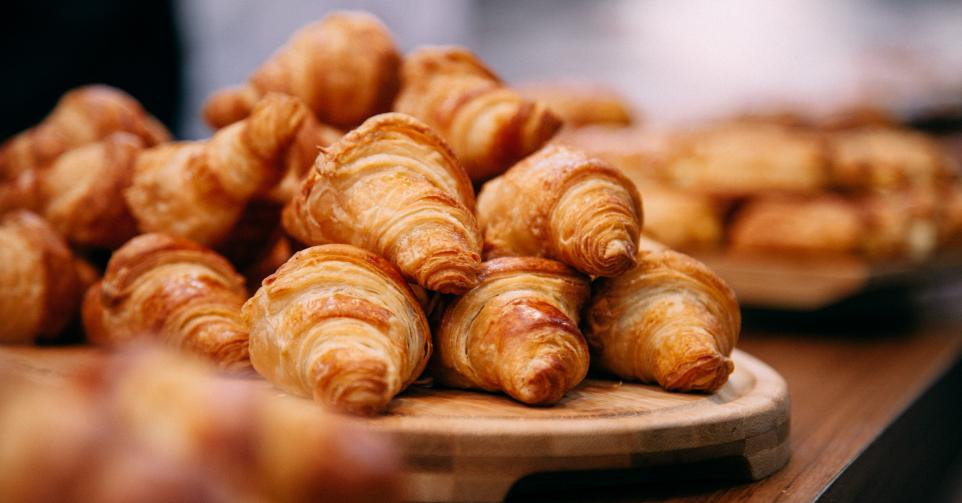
[
  {"x": 488, "y": 125},
  {"x": 154, "y": 427},
  {"x": 40, "y": 290},
  {"x": 344, "y": 67},
  {"x": 393, "y": 187},
  {"x": 339, "y": 324},
  {"x": 199, "y": 189},
  {"x": 561, "y": 204},
  {"x": 580, "y": 103},
  {"x": 516, "y": 332},
  {"x": 669, "y": 320},
  {"x": 84, "y": 115},
  {"x": 173, "y": 290}
]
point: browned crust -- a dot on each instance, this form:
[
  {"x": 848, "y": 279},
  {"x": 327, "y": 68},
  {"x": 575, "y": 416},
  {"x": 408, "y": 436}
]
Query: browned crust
[
  {"x": 510, "y": 265},
  {"x": 62, "y": 288},
  {"x": 373, "y": 128}
]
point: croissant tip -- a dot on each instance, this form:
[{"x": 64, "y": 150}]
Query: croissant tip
[
  {"x": 359, "y": 396},
  {"x": 544, "y": 384},
  {"x": 707, "y": 374}
]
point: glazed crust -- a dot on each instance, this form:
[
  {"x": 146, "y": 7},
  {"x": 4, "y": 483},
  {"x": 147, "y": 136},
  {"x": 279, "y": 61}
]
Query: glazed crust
[
  {"x": 171, "y": 289},
  {"x": 339, "y": 324},
  {"x": 737, "y": 160},
  {"x": 40, "y": 290},
  {"x": 579, "y": 103},
  {"x": 516, "y": 332},
  {"x": 393, "y": 187},
  {"x": 488, "y": 125},
  {"x": 344, "y": 67},
  {"x": 83, "y": 115},
  {"x": 198, "y": 190},
  {"x": 669, "y": 321},
  {"x": 575, "y": 209}
]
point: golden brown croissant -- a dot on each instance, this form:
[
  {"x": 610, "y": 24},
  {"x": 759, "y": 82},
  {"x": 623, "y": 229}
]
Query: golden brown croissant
[
  {"x": 40, "y": 290},
  {"x": 153, "y": 427},
  {"x": 344, "y": 67},
  {"x": 82, "y": 192},
  {"x": 83, "y": 115},
  {"x": 826, "y": 224},
  {"x": 886, "y": 158},
  {"x": 171, "y": 289},
  {"x": 489, "y": 126},
  {"x": 340, "y": 324},
  {"x": 516, "y": 332},
  {"x": 580, "y": 103},
  {"x": 744, "y": 159},
  {"x": 561, "y": 204},
  {"x": 198, "y": 190},
  {"x": 393, "y": 187},
  {"x": 669, "y": 320}
]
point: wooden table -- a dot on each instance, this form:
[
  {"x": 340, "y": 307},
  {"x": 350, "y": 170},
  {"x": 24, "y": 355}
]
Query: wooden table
[{"x": 876, "y": 415}]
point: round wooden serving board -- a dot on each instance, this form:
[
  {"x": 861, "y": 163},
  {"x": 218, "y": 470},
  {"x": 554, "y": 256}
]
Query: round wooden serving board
[{"x": 470, "y": 446}]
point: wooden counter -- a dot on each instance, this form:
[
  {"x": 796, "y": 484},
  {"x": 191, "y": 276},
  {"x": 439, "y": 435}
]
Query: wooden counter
[{"x": 874, "y": 417}]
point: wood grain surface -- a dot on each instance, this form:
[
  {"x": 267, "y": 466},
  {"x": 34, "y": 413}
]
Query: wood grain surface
[{"x": 875, "y": 416}]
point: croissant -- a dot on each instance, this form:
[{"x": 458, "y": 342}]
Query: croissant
[
  {"x": 83, "y": 115},
  {"x": 40, "y": 289},
  {"x": 668, "y": 320},
  {"x": 344, "y": 67},
  {"x": 516, "y": 332},
  {"x": 561, "y": 204},
  {"x": 198, "y": 190},
  {"x": 489, "y": 126},
  {"x": 172, "y": 289},
  {"x": 886, "y": 158},
  {"x": 736, "y": 160},
  {"x": 681, "y": 220},
  {"x": 393, "y": 187},
  {"x": 82, "y": 192},
  {"x": 340, "y": 324},
  {"x": 580, "y": 103},
  {"x": 152, "y": 426},
  {"x": 827, "y": 224}
]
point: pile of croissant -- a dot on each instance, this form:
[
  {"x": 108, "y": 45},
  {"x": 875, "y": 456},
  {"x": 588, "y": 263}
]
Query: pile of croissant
[
  {"x": 401, "y": 267},
  {"x": 853, "y": 183}
]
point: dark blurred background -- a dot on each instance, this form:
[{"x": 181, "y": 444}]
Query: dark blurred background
[{"x": 679, "y": 61}]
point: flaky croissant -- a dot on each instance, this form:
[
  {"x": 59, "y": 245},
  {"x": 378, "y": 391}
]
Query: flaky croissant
[
  {"x": 151, "y": 426},
  {"x": 744, "y": 159},
  {"x": 83, "y": 192},
  {"x": 516, "y": 332},
  {"x": 668, "y": 320},
  {"x": 168, "y": 288},
  {"x": 83, "y": 115},
  {"x": 40, "y": 290},
  {"x": 344, "y": 67},
  {"x": 561, "y": 204},
  {"x": 886, "y": 158},
  {"x": 392, "y": 186},
  {"x": 488, "y": 125},
  {"x": 340, "y": 324},
  {"x": 198, "y": 190}
]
